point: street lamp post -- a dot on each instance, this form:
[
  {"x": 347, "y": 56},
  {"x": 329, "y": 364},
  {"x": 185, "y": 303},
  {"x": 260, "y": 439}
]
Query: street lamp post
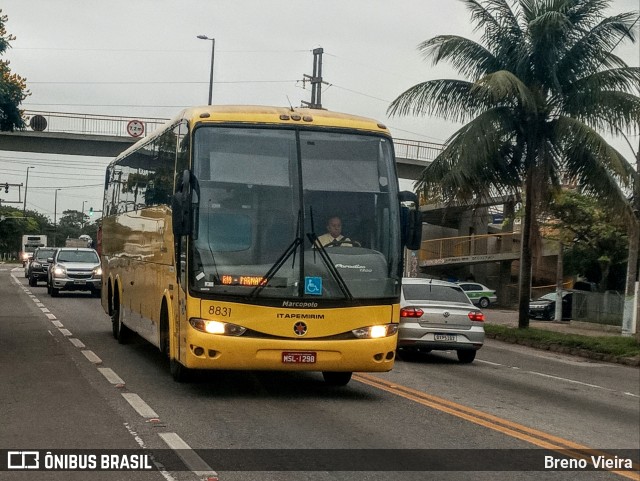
[
  {"x": 213, "y": 50},
  {"x": 55, "y": 217},
  {"x": 26, "y": 186}
]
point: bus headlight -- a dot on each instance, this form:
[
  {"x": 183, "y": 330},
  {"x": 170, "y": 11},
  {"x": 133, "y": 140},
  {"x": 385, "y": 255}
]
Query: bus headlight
[
  {"x": 375, "y": 332},
  {"x": 217, "y": 327}
]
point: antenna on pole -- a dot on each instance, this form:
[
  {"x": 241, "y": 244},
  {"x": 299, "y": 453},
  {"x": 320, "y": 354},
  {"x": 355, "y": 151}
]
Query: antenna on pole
[{"x": 316, "y": 81}]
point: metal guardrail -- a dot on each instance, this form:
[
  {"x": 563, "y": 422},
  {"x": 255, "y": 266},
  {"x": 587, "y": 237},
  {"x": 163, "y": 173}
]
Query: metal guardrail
[
  {"x": 88, "y": 124},
  {"x": 417, "y": 150},
  {"x": 469, "y": 248},
  {"x": 116, "y": 125}
]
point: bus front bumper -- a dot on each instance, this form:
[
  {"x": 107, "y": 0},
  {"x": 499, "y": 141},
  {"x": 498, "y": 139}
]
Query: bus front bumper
[{"x": 205, "y": 351}]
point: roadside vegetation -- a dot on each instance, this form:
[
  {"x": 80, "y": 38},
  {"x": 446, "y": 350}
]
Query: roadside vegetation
[{"x": 596, "y": 347}]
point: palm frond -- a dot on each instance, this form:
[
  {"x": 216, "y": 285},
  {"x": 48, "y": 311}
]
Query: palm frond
[
  {"x": 505, "y": 88},
  {"x": 446, "y": 98},
  {"x": 591, "y": 52},
  {"x": 468, "y": 57},
  {"x": 477, "y": 160},
  {"x": 587, "y": 155},
  {"x": 604, "y": 110}
]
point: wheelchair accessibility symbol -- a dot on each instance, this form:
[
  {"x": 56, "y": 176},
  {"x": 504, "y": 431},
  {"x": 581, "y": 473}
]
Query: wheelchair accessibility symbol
[{"x": 313, "y": 286}]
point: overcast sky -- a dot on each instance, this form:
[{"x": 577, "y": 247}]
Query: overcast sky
[{"x": 142, "y": 59}]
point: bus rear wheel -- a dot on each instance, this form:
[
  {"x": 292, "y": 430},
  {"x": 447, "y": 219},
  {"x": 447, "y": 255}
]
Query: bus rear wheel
[
  {"x": 121, "y": 332},
  {"x": 333, "y": 378}
]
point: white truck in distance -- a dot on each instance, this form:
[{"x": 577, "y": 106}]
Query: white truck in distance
[{"x": 29, "y": 244}]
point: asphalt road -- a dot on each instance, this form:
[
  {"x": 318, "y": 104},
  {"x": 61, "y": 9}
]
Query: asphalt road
[{"x": 66, "y": 383}]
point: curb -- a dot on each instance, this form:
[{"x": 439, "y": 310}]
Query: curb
[{"x": 572, "y": 351}]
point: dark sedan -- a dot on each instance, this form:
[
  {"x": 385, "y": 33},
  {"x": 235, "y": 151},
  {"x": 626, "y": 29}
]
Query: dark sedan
[{"x": 545, "y": 307}]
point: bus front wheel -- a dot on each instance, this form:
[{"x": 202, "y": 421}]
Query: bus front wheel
[
  {"x": 333, "y": 378},
  {"x": 179, "y": 372}
]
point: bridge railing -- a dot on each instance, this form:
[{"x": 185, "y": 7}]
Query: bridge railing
[
  {"x": 116, "y": 125},
  {"x": 417, "y": 149},
  {"x": 465, "y": 246},
  {"x": 88, "y": 124}
]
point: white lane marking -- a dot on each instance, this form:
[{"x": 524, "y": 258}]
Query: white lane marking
[
  {"x": 111, "y": 376},
  {"x": 35, "y": 299},
  {"x": 569, "y": 380},
  {"x": 160, "y": 466},
  {"x": 189, "y": 457},
  {"x": 141, "y": 407},
  {"x": 57, "y": 323},
  {"x": 65, "y": 332},
  {"x": 595, "y": 386},
  {"x": 76, "y": 342},
  {"x": 50, "y": 316},
  {"x": 558, "y": 378},
  {"x": 43, "y": 309},
  {"x": 489, "y": 362},
  {"x": 92, "y": 357}
]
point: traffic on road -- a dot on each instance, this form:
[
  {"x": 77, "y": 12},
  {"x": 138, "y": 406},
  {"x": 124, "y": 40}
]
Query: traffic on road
[{"x": 71, "y": 386}]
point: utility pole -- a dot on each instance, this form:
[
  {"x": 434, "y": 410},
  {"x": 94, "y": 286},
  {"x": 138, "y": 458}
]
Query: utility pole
[
  {"x": 631, "y": 317},
  {"x": 316, "y": 81}
]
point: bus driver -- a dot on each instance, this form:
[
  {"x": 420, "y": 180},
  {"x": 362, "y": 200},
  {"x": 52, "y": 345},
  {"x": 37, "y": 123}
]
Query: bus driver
[{"x": 334, "y": 237}]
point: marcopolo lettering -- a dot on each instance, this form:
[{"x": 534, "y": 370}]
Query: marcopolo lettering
[{"x": 299, "y": 304}]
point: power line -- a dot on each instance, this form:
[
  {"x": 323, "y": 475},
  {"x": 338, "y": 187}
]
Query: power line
[{"x": 154, "y": 82}]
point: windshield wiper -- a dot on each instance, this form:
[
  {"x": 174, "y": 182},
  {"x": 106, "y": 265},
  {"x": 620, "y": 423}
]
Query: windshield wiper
[
  {"x": 313, "y": 237},
  {"x": 289, "y": 251}
]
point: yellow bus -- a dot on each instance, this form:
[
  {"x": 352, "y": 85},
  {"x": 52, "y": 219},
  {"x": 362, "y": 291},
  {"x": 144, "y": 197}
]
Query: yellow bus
[{"x": 209, "y": 241}]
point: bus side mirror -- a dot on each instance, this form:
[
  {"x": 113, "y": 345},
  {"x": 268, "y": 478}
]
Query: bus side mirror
[
  {"x": 181, "y": 207},
  {"x": 411, "y": 221}
]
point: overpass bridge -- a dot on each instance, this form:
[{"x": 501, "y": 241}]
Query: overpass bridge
[{"x": 108, "y": 136}]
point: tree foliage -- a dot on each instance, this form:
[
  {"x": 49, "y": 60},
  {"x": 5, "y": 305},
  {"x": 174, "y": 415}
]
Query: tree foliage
[
  {"x": 542, "y": 87},
  {"x": 72, "y": 224},
  {"x": 595, "y": 241},
  {"x": 13, "y": 88}
]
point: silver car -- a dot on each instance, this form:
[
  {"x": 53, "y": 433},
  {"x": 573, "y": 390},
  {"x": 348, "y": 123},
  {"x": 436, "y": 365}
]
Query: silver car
[
  {"x": 438, "y": 315},
  {"x": 74, "y": 269}
]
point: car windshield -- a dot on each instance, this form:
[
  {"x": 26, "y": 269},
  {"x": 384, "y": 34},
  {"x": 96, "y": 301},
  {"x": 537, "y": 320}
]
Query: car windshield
[
  {"x": 43, "y": 255},
  {"x": 434, "y": 292},
  {"x": 78, "y": 256},
  {"x": 548, "y": 297}
]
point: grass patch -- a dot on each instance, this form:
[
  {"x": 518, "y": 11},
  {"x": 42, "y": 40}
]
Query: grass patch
[{"x": 608, "y": 345}]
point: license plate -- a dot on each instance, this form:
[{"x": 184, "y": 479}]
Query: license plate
[
  {"x": 79, "y": 282},
  {"x": 298, "y": 357},
  {"x": 445, "y": 337}
]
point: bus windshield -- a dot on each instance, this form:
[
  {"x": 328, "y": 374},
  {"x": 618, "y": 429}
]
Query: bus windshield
[{"x": 264, "y": 200}]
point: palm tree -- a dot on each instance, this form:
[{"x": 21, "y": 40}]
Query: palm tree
[{"x": 542, "y": 84}]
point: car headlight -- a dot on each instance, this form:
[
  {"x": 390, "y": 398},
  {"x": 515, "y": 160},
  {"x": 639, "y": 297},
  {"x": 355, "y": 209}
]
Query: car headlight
[
  {"x": 36, "y": 265},
  {"x": 97, "y": 271},
  {"x": 375, "y": 332},
  {"x": 59, "y": 271},
  {"x": 217, "y": 327}
]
